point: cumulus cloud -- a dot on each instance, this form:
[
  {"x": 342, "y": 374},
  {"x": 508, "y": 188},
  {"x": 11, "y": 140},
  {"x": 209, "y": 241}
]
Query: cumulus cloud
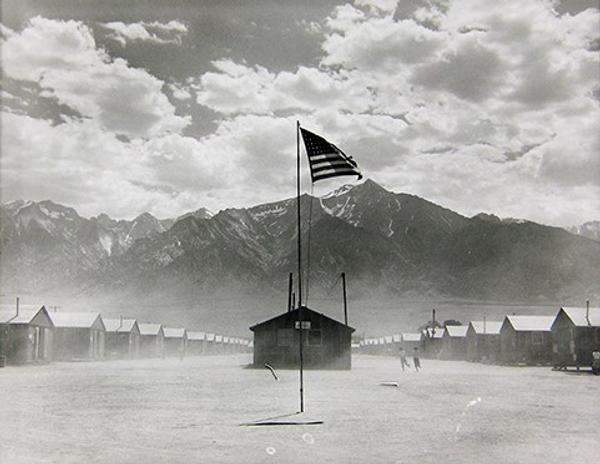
[
  {"x": 375, "y": 44},
  {"x": 471, "y": 72},
  {"x": 62, "y": 57},
  {"x": 470, "y": 103},
  {"x": 161, "y": 175},
  {"x": 156, "y": 32},
  {"x": 388, "y": 6},
  {"x": 166, "y": 175},
  {"x": 238, "y": 88},
  {"x": 5, "y": 31},
  {"x": 180, "y": 92},
  {"x": 476, "y": 105}
]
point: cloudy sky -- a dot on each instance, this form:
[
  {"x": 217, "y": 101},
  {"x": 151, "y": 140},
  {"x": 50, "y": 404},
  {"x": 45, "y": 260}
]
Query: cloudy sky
[{"x": 477, "y": 105}]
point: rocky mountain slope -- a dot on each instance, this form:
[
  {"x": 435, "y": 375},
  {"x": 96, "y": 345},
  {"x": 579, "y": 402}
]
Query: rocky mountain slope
[
  {"x": 388, "y": 243},
  {"x": 44, "y": 244}
]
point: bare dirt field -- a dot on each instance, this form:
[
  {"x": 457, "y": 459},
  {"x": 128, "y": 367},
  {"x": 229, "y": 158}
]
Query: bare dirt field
[{"x": 171, "y": 411}]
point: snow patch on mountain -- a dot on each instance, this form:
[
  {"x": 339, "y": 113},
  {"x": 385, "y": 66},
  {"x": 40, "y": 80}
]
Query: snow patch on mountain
[
  {"x": 389, "y": 231},
  {"x": 25, "y": 218},
  {"x": 107, "y": 242},
  {"x": 276, "y": 211},
  {"x": 52, "y": 214},
  {"x": 344, "y": 189},
  {"x": 15, "y": 206},
  {"x": 344, "y": 211}
]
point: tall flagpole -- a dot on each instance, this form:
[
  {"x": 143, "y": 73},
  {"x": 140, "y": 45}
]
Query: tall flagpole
[
  {"x": 299, "y": 266},
  {"x": 298, "y": 213}
]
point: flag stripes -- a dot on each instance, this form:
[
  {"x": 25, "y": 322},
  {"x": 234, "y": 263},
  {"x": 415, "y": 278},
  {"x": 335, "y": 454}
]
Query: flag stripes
[{"x": 326, "y": 160}]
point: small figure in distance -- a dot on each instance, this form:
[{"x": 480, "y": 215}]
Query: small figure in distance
[
  {"x": 416, "y": 360},
  {"x": 403, "y": 361}
]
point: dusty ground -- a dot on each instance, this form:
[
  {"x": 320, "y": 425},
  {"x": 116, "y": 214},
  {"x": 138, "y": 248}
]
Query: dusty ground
[{"x": 167, "y": 411}]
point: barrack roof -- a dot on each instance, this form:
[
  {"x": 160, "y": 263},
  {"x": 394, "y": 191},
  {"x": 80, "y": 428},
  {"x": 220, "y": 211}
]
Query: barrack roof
[
  {"x": 8, "y": 314},
  {"x": 304, "y": 309},
  {"x": 196, "y": 336},
  {"x": 531, "y": 323},
  {"x": 578, "y": 316},
  {"x": 119, "y": 325},
  {"x": 411, "y": 337},
  {"x": 439, "y": 332},
  {"x": 491, "y": 327},
  {"x": 457, "y": 330},
  {"x": 149, "y": 329},
  {"x": 173, "y": 332},
  {"x": 78, "y": 320}
]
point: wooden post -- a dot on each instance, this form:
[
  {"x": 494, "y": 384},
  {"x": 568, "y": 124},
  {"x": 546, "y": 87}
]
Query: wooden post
[
  {"x": 300, "y": 331},
  {"x": 345, "y": 300},
  {"x": 290, "y": 284}
]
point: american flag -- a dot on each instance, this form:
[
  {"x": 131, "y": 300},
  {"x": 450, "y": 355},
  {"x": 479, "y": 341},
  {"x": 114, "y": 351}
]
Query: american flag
[{"x": 326, "y": 160}]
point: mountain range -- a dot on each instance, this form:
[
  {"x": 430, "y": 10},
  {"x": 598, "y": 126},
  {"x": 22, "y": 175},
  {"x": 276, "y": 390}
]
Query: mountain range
[{"x": 391, "y": 244}]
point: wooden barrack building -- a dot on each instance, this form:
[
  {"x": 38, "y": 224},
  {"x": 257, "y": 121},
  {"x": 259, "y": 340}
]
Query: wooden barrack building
[
  {"x": 122, "y": 338},
  {"x": 326, "y": 342},
  {"x": 526, "y": 339},
  {"x": 576, "y": 333},
  {"x": 78, "y": 335},
  {"x": 26, "y": 335},
  {"x": 152, "y": 340},
  {"x": 483, "y": 341}
]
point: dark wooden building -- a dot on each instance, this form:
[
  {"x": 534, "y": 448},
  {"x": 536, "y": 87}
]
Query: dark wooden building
[
  {"x": 326, "y": 342},
  {"x": 483, "y": 341},
  {"x": 77, "y": 335},
  {"x": 396, "y": 343},
  {"x": 196, "y": 343},
  {"x": 152, "y": 340},
  {"x": 526, "y": 339},
  {"x": 454, "y": 345},
  {"x": 26, "y": 336},
  {"x": 219, "y": 348},
  {"x": 175, "y": 341},
  {"x": 122, "y": 338},
  {"x": 433, "y": 340},
  {"x": 575, "y": 334},
  {"x": 410, "y": 341},
  {"x": 209, "y": 343},
  {"x": 377, "y": 346},
  {"x": 388, "y": 346},
  {"x": 367, "y": 346},
  {"x": 228, "y": 346}
]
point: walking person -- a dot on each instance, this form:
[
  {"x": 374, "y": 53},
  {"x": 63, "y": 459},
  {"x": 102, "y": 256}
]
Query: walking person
[
  {"x": 416, "y": 360},
  {"x": 403, "y": 361}
]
